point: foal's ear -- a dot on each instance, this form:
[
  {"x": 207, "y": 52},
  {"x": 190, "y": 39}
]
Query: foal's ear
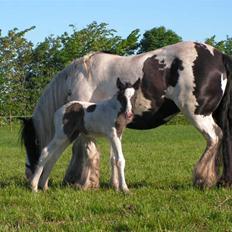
[
  {"x": 119, "y": 84},
  {"x": 136, "y": 85}
]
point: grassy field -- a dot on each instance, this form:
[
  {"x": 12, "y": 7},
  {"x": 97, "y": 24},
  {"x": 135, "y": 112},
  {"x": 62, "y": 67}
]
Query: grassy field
[{"x": 159, "y": 167}]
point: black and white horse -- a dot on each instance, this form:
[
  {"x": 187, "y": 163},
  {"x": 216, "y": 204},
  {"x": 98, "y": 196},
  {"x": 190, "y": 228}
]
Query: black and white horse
[
  {"x": 190, "y": 77},
  {"x": 108, "y": 118}
]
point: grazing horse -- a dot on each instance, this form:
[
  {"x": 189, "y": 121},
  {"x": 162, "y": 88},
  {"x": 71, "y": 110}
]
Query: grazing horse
[
  {"x": 108, "y": 118},
  {"x": 190, "y": 77}
]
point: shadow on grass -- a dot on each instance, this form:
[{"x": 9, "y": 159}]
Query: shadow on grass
[
  {"x": 174, "y": 186},
  {"x": 162, "y": 185},
  {"x": 135, "y": 185},
  {"x": 155, "y": 185},
  {"x": 14, "y": 181}
]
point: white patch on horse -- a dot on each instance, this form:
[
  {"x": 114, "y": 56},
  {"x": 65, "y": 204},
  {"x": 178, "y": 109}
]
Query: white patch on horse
[
  {"x": 165, "y": 60},
  {"x": 223, "y": 83},
  {"x": 210, "y": 48},
  {"x": 182, "y": 93}
]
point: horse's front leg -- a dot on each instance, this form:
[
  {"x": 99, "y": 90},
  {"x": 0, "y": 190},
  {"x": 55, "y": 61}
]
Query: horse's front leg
[{"x": 120, "y": 162}]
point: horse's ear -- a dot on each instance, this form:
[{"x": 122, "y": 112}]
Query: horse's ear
[
  {"x": 119, "y": 84},
  {"x": 136, "y": 85}
]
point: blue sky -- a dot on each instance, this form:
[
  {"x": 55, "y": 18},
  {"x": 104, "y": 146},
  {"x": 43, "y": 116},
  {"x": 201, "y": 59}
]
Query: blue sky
[{"x": 191, "y": 19}]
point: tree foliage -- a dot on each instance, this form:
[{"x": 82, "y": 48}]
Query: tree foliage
[
  {"x": 15, "y": 59},
  {"x": 26, "y": 68},
  {"x": 158, "y": 37},
  {"x": 223, "y": 45}
]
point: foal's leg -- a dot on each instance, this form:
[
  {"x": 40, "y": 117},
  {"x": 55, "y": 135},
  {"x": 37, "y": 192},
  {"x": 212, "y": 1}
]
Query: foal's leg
[
  {"x": 55, "y": 147},
  {"x": 120, "y": 162},
  {"x": 114, "y": 170},
  {"x": 205, "y": 172},
  {"x": 43, "y": 181}
]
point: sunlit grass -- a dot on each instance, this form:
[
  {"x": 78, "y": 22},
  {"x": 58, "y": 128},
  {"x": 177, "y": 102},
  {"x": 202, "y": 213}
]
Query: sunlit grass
[{"x": 159, "y": 166}]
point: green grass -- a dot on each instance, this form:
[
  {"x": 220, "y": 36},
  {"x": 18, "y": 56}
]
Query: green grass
[{"x": 159, "y": 166}]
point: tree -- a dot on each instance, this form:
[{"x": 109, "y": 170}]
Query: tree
[
  {"x": 223, "y": 45},
  {"x": 156, "y": 38},
  {"x": 46, "y": 62},
  {"x": 54, "y": 53},
  {"x": 96, "y": 37},
  {"x": 15, "y": 57}
]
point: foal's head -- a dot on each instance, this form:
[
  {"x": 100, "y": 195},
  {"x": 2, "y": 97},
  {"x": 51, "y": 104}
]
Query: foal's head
[{"x": 127, "y": 96}]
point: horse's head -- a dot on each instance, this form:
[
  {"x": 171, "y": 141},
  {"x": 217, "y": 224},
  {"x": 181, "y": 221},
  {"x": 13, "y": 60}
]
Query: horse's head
[
  {"x": 127, "y": 96},
  {"x": 30, "y": 141}
]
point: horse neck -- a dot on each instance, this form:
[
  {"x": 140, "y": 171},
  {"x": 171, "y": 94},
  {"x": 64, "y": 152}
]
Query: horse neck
[{"x": 113, "y": 103}]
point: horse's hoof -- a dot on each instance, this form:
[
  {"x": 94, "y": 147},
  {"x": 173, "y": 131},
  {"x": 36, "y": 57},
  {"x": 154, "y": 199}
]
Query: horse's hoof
[
  {"x": 199, "y": 183},
  {"x": 223, "y": 182},
  {"x": 202, "y": 184}
]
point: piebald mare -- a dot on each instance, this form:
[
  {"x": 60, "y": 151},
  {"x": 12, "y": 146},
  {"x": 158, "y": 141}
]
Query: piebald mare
[
  {"x": 190, "y": 77},
  {"x": 107, "y": 118}
]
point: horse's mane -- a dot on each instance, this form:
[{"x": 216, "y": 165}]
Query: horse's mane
[{"x": 53, "y": 97}]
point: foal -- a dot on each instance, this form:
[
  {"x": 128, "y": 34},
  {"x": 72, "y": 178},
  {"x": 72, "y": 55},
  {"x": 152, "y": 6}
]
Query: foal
[{"x": 107, "y": 118}]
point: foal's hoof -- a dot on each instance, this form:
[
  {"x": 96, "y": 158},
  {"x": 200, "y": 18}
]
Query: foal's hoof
[
  {"x": 115, "y": 186},
  {"x": 126, "y": 190},
  {"x": 45, "y": 188},
  {"x": 34, "y": 189}
]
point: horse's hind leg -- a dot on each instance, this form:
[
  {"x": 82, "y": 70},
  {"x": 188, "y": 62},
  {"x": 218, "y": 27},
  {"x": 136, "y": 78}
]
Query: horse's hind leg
[{"x": 205, "y": 172}]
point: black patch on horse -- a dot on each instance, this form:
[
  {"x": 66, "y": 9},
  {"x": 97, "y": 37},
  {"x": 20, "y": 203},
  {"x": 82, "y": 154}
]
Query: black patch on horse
[
  {"x": 207, "y": 70},
  {"x": 73, "y": 121},
  {"x": 30, "y": 140},
  {"x": 91, "y": 108},
  {"x": 157, "y": 78},
  {"x": 173, "y": 76},
  {"x": 154, "y": 82},
  {"x": 151, "y": 119}
]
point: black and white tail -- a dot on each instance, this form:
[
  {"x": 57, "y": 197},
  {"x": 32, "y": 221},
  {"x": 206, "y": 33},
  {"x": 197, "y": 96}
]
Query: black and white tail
[
  {"x": 223, "y": 116},
  {"x": 30, "y": 141}
]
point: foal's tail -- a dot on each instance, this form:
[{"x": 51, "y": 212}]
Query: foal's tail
[
  {"x": 223, "y": 116},
  {"x": 29, "y": 139}
]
